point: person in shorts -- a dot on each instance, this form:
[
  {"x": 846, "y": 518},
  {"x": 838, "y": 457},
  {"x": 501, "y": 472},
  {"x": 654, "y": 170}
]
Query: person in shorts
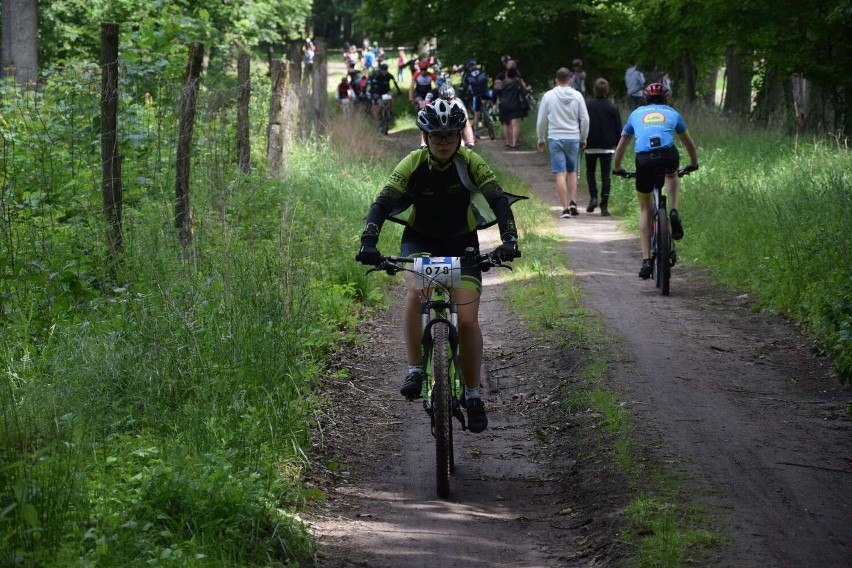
[
  {"x": 655, "y": 126},
  {"x": 563, "y": 121},
  {"x": 443, "y": 194}
]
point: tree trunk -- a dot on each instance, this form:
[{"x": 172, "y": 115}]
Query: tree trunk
[
  {"x": 19, "y": 47},
  {"x": 110, "y": 156},
  {"x": 243, "y": 99},
  {"x": 688, "y": 79},
  {"x": 294, "y": 60},
  {"x": 276, "y": 130},
  {"x": 810, "y": 106},
  {"x": 739, "y": 71},
  {"x": 189, "y": 96},
  {"x": 346, "y": 25},
  {"x": 319, "y": 87},
  {"x": 708, "y": 88},
  {"x": 771, "y": 107}
]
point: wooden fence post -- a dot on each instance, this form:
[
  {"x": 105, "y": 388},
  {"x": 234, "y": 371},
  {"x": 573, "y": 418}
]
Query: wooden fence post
[
  {"x": 243, "y": 98},
  {"x": 277, "y": 126},
  {"x": 110, "y": 156},
  {"x": 295, "y": 61},
  {"x": 319, "y": 89},
  {"x": 188, "y": 98}
]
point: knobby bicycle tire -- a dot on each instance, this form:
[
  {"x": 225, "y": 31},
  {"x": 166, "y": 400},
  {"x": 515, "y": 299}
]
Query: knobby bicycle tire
[
  {"x": 441, "y": 407},
  {"x": 664, "y": 252},
  {"x": 386, "y": 119},
  {"x": 489, "y": 124}
]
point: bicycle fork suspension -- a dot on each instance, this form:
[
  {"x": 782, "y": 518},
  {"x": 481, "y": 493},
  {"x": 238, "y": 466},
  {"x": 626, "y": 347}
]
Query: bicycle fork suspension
[{"x": 456, "y": 385}]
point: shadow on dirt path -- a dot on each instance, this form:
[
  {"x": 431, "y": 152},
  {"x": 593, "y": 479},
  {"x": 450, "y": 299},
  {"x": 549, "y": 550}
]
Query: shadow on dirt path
[{"x": 733, "y": 397}]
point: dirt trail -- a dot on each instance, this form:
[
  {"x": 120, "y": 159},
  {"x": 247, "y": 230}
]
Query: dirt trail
[{"x": 735, "y": 398}]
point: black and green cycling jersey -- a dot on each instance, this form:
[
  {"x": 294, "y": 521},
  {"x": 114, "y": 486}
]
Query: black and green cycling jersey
[{"x": 444, "y": 201}]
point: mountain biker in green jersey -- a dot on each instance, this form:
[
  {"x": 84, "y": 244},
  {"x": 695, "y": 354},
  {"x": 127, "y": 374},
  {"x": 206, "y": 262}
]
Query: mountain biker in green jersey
[
  {"x": 655, "y": 126},
  {"x": 443, "y": 194},
  {"x": 380, "y": 84}
]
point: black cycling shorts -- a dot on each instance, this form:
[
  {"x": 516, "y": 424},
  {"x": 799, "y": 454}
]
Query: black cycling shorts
[
  {"x": 415, "y": 244},
  {"x": 655, "y": 163}
]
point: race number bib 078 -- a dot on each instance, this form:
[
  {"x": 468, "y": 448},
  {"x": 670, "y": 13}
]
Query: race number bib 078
[{"x": 433, "y": 270}]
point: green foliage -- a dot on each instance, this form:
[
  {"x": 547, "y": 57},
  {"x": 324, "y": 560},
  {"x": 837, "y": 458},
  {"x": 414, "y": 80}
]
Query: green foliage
[
  {"x": 158, "y": 406},
  {"x": 663, "y": 531},
  {"x": 181, "y": 508},
  {"x": 155, "y": 35}
]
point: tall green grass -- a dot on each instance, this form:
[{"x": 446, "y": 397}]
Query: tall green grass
[{"x": 159, "y": 409}]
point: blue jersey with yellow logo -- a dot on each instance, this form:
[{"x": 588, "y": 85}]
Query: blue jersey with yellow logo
[{"x": 654, "y": 127}]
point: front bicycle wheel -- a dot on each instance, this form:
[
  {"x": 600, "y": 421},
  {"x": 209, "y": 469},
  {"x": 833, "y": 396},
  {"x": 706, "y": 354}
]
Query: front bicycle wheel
[
  {"x": 441, "y": 407},
  {"x": 663, "y": 238}
]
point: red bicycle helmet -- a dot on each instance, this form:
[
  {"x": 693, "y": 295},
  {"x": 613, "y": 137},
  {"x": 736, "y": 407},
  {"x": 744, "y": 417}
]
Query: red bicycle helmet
[
  {"x": 423, "y": 64},
  {"x": 655, "y": 91}
]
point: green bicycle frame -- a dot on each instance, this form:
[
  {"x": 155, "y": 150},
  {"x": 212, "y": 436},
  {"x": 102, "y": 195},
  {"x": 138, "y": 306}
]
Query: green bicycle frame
[{"x": 431, "y": 314}]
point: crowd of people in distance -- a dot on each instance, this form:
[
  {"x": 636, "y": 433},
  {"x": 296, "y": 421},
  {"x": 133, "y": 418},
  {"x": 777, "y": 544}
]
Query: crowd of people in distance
[{"x": 446, "y": 222}]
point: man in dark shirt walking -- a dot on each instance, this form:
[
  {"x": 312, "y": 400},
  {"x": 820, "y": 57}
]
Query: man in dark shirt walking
[{"x": 604, "y": 133}]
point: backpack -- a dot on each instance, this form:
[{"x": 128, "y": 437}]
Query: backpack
[{"x": 478, "y": 83}]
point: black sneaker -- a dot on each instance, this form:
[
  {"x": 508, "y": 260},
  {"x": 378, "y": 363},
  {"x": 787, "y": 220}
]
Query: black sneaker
[
  {"x": 477, "y": 421},
  {"x": 604, "y": 211},
  {"x": 412, "y": 386},
  {"x": 566, "y": 213},
  {"x": 572, "y": 208},
  {"x": 677, "y": 227},
  {"x": 646, "y": 270},
  {"x": 592, "y": 204}
]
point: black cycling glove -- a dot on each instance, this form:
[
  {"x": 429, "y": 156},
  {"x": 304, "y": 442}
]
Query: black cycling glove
[
  {"x": 368, "y": 253},
  {"x": 508, "y": 251}
]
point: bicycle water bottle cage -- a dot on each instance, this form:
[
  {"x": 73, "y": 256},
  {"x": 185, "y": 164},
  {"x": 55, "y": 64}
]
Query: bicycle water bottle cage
[{"x": 437, "y": 270}]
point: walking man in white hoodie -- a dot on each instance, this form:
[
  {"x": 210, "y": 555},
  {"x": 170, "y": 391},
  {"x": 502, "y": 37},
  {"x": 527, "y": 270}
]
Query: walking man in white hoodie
[{"x": 564, "y": 122}]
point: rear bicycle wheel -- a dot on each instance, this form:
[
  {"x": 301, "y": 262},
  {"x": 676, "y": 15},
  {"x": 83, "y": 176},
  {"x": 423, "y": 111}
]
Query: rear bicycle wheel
[
  {"x": 386, "y": 118},
  {"x": 487, "y": 122},
  {"x": 663, "y": 239},
  {"x": 441, "y": 408}
]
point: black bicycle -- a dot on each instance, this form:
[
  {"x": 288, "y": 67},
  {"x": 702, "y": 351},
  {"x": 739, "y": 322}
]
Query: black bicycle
[
  {"x": 443, "y": 389},
  {"x": 663, "y": 253},
  {"x": 485, "y": 114}
]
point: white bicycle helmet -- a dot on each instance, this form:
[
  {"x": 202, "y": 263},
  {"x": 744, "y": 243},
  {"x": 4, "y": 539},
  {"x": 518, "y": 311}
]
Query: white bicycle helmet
[
  {"x": 446, "y": 91},
  {"x": 441, "y": 116}
]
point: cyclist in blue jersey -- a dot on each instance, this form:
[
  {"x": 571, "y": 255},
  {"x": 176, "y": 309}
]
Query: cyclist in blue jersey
[{"x": 655, "y": 126}]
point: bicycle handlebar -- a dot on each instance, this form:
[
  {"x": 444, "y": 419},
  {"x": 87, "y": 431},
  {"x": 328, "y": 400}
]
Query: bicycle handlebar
[
  {"x": 685, "y": 171},
  {"x": 391, "y": 264}
]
